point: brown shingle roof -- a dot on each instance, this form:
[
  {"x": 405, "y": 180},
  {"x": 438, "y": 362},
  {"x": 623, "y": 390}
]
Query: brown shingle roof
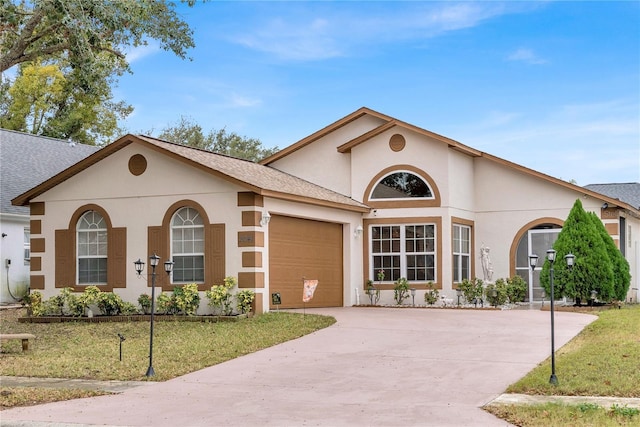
[{"x": 260, "y": 179}]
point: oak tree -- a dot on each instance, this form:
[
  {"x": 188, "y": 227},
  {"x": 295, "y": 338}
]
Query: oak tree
[
  {"x": 187, "y": 132},
  {"x": 72, "y": 52}
]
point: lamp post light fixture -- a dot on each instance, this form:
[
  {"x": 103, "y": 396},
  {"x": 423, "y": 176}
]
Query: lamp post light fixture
[
  {"x": 168, "y": 267},
  {"x": 551, "y": 257},
  {"x": 459, "y": 293},
  {"x": 413, "y": 296}
]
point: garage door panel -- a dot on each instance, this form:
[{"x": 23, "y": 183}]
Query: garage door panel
[{"x": 300, "y": 248}]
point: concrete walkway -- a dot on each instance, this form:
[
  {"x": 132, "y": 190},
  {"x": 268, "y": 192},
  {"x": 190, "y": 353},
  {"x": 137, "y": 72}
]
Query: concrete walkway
[{"x": 374, "y": 367}]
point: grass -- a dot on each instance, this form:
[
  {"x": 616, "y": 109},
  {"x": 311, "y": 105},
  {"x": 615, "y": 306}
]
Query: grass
[
  {"x": 91, "y": 350},
  {"x": 11, "y": 397},
  {"x": 601, "y": 361},
  {"x": 559, "y": 415}
]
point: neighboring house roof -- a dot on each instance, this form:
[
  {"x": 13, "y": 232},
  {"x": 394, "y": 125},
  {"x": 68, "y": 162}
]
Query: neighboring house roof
[
  {"x": 627, "y": 192},
  {"x": 27, "y": 160},
  {"x": 390, "y": 122},
  {"x": 260, "y": 179}
]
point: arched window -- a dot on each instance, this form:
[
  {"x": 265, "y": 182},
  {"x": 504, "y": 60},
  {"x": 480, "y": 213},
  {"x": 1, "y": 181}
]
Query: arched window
[
  {"x": 187, "y": 246},
  {"x": 401, "y": 185},
  {"x": 92, "y": 248}
]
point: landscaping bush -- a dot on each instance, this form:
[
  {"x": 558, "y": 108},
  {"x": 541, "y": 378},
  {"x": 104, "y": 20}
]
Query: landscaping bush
[
  {"x": 401, "y": 290},
  {"x": 110, "y": 304},
  {"x": 166, "y": 304},
  {"x": 431, "y": 295},
  {"x": 501, "y": 294},
  {"x": 472, "y": 289},
  {"x": 36, "y": 304},
  {"x": 144, "y": 300},
  {"x": 516, "y": 289},
  {"x": 220, "y": 297},
  {"x": 244, "y": 299},
  {"x": 187, "y": 298}
]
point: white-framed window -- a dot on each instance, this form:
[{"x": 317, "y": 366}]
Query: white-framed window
[
  {"x": 187, "y": 246},
  {"x": 92, "y": 249},
  {"x": 27, "y": 245},
  {"x": 407, "y": 250},
  {"x": 401, "y": 185},
  {"x": 461, "y": 252}
]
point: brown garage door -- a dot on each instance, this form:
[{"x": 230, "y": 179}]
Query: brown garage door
[{"x": 302, "y": 248}]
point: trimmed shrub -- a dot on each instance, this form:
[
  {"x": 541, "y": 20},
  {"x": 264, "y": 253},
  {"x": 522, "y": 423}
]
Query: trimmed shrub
[
  {"x": 621, "y": 273},
  {"x": 472, "y": 289},
  {"x": 592, "y": 268},
  {"x": 516, "y": 289},
  {"x": 244, "y": 299}
]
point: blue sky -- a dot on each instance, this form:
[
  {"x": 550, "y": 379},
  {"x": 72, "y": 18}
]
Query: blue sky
[{"x": 554, "y": 86}]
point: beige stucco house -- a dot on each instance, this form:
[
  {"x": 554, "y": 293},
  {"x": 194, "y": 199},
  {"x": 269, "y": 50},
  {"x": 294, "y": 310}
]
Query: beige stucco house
[{"x": 364, "y": 194}]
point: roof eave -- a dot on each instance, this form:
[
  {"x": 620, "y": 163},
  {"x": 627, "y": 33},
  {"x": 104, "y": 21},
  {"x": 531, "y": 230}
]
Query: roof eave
[
  {"x": 610, "y": 200},
  {"x": 323, "y": 132},
  {"x": 315, "y": 202},
  {"x": 24, "y": 198}
]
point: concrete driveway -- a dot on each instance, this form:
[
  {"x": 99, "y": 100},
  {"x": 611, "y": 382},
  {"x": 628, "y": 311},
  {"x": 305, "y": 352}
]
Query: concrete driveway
[{"x": 374, "y": 367}]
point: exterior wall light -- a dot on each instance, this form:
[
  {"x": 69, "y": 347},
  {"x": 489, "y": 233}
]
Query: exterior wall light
[{"x": 265, "y": 219}]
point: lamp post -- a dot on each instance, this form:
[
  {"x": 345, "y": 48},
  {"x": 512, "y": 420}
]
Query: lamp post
[
  {"x": 459, "y": 293},
  {"x": 413, "y": 296},
  {"x": 533, "y": 260},
  {"x": 168, "y": 267}
]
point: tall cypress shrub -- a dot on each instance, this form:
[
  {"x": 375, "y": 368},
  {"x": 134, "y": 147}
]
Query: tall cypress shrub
[
  {"x": 621, "y": 272},
  {"x": 592, "y": 267}
]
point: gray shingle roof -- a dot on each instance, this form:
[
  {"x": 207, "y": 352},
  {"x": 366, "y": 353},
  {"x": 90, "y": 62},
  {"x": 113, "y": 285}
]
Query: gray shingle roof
[
  {"x": 627, "y": 192},
  {"x": 26, "y": 160}
]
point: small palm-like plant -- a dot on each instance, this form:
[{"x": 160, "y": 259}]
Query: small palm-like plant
[{"x": 401, "y": 290}]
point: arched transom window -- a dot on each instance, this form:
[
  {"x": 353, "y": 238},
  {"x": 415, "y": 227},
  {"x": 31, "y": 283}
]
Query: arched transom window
[
  {"x": 401, "y": 185},
  {"x": 187, "y": 246},
  {"x": 92, "y": 248}
]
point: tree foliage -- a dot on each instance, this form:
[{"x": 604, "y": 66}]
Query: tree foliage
[
  {"x": 187, "y": 132},
  {"x": 621, "y": 271},
  {"x": 69, "y": 54},
  {"x": 592, "y": 269},
  {"x": 83, "y": 29},
  {"x": 43, "y": 100}
]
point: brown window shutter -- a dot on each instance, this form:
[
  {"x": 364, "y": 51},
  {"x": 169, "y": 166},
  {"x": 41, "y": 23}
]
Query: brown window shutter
[
  {"x": 65, "y": 259},
  {"x": 117, "y": 258},
  {"x": 156, "y": 243},
  {"x": 215, "y": 255}
]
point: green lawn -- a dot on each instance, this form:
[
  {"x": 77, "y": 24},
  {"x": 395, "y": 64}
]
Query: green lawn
[
  {"x": 91, "y": 350},
  {"x": 603, "y": 360}
]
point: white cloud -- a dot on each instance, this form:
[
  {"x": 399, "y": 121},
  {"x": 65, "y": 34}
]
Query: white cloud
[
  {"x": 243, "y": 101},
  {"x": 339, "y": 31},
  {"x": 312, "y": 40},
  {"x": 137, "y": 53},
  {"x": 579, "y": 141},
  {"x": 526, "y": 55}
]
